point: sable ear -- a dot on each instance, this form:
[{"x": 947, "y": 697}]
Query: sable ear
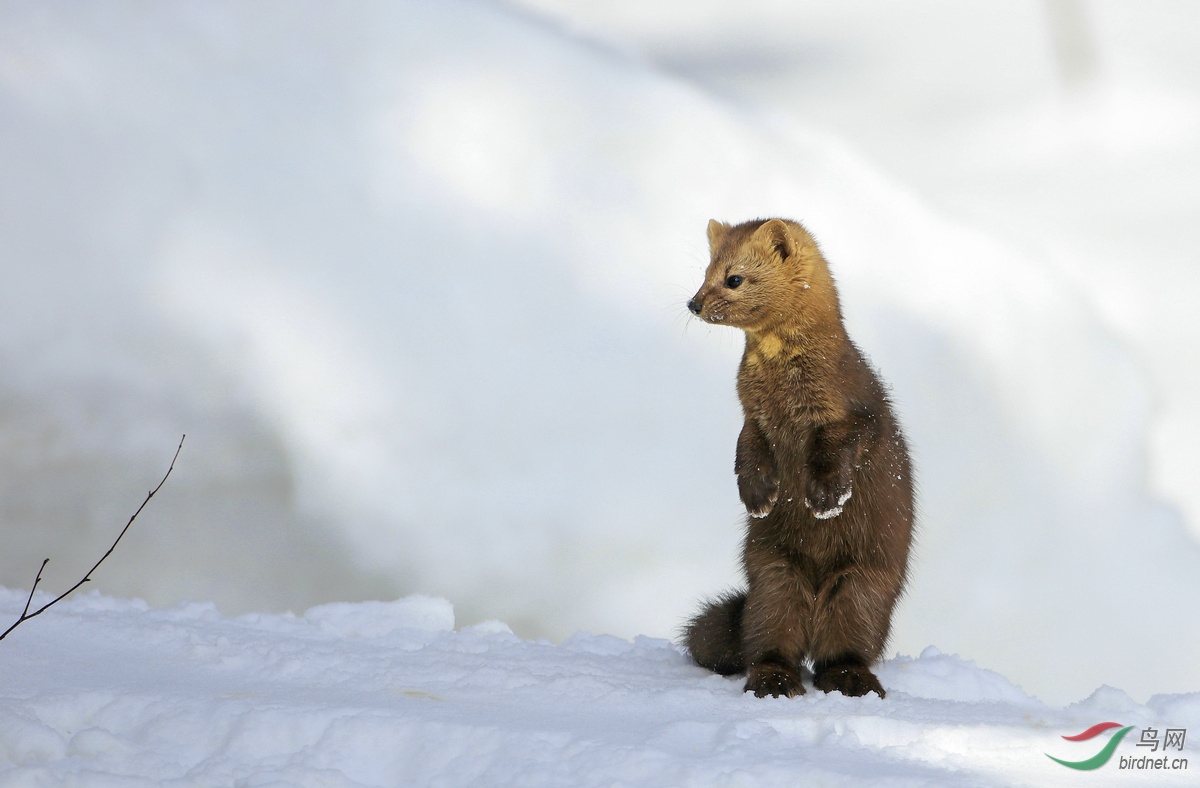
[
  {"x": 716, "y": 234},
  {"x": 776, "y": 236}
]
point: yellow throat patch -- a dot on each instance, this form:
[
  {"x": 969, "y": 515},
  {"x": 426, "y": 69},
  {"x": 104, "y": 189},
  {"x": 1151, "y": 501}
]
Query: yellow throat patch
[{"x": 765, "y": 348}]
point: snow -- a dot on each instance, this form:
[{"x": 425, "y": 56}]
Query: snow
[
  {"x": 412, "y": 276},
  {"x": 104, "y": 691}
]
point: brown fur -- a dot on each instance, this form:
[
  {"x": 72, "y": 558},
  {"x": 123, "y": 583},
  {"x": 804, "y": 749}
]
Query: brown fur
[{"x": 824, "y": 570}]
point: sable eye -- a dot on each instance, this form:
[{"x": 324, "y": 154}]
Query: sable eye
[{"x": 733, "y": 281}]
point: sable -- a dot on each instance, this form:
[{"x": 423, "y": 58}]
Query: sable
[{"x": 822, "y": 469}]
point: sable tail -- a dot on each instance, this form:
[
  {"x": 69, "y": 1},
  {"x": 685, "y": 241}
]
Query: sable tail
[{"x": 714, "y": 636}]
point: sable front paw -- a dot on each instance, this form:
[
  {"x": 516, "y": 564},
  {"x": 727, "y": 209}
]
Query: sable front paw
[
  {"x": 767, "y": 678},
  {"x": 758, "y": 492},
  {"x": 827, "y": 497}
]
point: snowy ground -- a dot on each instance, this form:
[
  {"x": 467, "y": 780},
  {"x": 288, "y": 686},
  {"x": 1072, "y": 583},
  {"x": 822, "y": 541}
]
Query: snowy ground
[
  {"x": 411, "y": 277},
  {"x": 102, "y": 691}
]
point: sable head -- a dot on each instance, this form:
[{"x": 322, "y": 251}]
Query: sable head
[{"x": 763, "y": 273}]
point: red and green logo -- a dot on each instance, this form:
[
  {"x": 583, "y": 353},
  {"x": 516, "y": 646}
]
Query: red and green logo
[{"x": 1100, "y": 758}]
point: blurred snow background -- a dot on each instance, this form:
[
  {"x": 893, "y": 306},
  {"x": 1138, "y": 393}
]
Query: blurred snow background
[{"x": 411, "y": 277}]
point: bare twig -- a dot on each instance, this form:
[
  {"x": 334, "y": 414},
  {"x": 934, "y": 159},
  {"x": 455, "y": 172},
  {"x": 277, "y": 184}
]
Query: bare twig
[{"x": 26, "y": 615}]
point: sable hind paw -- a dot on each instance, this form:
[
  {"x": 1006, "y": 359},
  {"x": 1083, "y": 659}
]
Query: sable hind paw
[
  {"x": 849, "y": 678},
  {"x": 766, "y": 679}
]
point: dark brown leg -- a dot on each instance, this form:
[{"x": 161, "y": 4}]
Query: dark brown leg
[
  {"x": 773, "y": 631},
  {"x": 852, "y": 617}
]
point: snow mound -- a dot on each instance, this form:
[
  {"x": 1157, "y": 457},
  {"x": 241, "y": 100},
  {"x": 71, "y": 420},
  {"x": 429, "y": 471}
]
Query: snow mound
[
  {"x": 948, "y": 677},
  {"x": 106, "y": 691},
  {"x": 377, "y": 619}
]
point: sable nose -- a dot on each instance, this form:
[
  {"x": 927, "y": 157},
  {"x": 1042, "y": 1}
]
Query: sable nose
[{"x": 695, "y": 305}]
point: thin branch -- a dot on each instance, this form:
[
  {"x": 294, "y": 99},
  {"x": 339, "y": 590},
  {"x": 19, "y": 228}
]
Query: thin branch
[
  {"x": 26, "y": 615},
  {"x": 36, "y": 580}
]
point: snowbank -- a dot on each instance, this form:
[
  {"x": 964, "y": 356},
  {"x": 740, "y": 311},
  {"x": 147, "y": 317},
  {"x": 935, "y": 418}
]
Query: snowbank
[
  {"x": 107, "y": 691},
  {"x": 411, "y": 277}
]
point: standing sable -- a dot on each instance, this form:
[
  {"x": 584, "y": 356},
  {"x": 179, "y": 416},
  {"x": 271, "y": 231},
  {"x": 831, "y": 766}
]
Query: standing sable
[{"x": 822, "y": 469}]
